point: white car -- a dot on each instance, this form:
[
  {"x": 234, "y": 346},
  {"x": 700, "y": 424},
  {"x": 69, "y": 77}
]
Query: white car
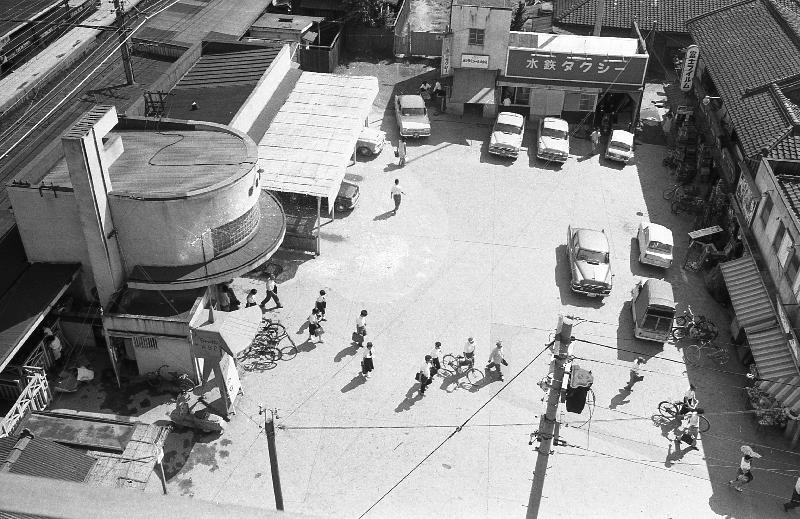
[
  {"x": 412, "y": 116},
  {"x": 506, "y": 139},
  {"x": 620, "y": 146},
  {"x": 655, "y": 245},
  {"x": 370, "y": 142},
  {"x": 553, "y": 143}
]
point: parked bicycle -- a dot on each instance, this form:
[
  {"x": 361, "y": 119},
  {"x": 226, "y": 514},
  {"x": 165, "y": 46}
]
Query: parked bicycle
[
  {"x": 672, "y": 411},
  {"x": 688, "y": 204},
  {"x": 694, "y": 326},
  {"x": 709, "y": 349},
  {"x": 267, "y": 340},
  {"x": 460, "y": 365},
  {"x": 178, "y": 379}
]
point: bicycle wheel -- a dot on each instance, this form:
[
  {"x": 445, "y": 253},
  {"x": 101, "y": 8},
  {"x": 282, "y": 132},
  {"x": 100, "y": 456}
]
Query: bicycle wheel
[
  {"x": 669, "y": 193},
  {"x": 474, "y": 375},
  {"x": 288, "y": 352},
  {"x": 693, "y": 355},
  {"x": 275, "y": 331},
  {"x": 705, "y": 425},
  {"x": 450, "y": 363},
  {"x": 720, "y": 355},
  {"x": 667, "y": 409},
  {"x": 678, "y": 333},
  {"x": 680, "y": 321}
]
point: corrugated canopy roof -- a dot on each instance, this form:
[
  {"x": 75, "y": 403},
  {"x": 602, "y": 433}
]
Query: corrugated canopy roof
[{"x": 310, "y": 142}]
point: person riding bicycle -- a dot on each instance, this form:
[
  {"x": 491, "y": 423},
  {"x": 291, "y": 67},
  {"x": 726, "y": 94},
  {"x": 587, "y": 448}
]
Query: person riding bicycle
[
  {"x": 469, "y": 353},
  {"x": 496, "y": 358}
]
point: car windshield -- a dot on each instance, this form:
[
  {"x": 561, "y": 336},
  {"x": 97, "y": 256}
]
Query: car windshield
[
  {"x": 507, "y": 128},
  {"x": 620, "y": 146},
  {"x": 554, "y": 133},
  {"x": 657, "y": 246},
  {"x": 413, "y": 111},
  {"x": 592, "y": 256}
]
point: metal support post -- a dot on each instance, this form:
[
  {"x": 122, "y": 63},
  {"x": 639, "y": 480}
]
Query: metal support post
[
  {"x": 269, "y": 427},
  {"x": 548, "y": 422},
  {"x": 123, "y": 39}
]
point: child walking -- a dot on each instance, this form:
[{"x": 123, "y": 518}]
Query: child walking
[
  {"x": 314, "y": 328},
  {"x": 361, "y": 326},
  {"x": 321, "y": 305},
  {"x": 367, "y": 365}
]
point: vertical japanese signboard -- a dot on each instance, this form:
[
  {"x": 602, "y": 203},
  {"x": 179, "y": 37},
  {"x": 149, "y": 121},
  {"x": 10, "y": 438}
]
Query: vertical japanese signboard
[
  {"x": 689, "y": 66},
  {"x": 583, "y": 68},
  {"x": 447, "y": 50}
]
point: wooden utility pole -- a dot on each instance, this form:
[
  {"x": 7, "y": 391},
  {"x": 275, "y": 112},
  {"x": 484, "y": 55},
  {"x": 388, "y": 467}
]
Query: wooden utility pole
[
  {"x": 269, "y": 428},
  {"x": 124, "y": 32},
  {"x": 600, "y": 6},
  {"x": 548, "y": 423}
]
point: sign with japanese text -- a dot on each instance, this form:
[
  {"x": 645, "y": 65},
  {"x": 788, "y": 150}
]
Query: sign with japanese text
[
  {"x": 447, "y": 49},
  {"x": 689, "y": 66},
  {"x": 748, "y": 200},
  {"x": 583, "y": 68},
  {"x": 207, "y": 344},
  {"x": 474, "y": 61}
]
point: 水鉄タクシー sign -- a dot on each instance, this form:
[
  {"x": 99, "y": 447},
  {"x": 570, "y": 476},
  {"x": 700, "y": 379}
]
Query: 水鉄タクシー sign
[
  {"x": 561, "y": 66},
  {"x": 474, "y": 61},
  {"x": 689, "y": 66}
]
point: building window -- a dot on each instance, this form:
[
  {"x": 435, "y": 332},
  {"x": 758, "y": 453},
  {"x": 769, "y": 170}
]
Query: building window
[
  {"x": 766, "y": 209},
  {"x": 587, "y": 102},
  {"x": 233, "y": 233},
  {"x": 793, "y": 266},
  {"x": 776, "y": 241},
  {"x": 476, "y": 36}
]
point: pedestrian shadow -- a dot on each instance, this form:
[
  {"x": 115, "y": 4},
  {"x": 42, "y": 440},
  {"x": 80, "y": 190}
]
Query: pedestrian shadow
[
  {"x": 358, "y": 380},
  {"x": 347, "y": 352},
  {"x": 412, "y": 397},
  {"x": 392, "y": 167},
  {"x": 306, "y": 346},
  {"x": 384, "y": 216},
  {"x": 482, "y": 383},
  {"x": 675, "y": 453},
  {"x": 452, "y": 382},
  {"x": 621, "y": 398},
  {"x": 303, "y": 328},
  {"x": 667, "y": 425}
]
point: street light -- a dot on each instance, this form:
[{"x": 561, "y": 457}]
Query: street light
[{"x": 707, "y": 100}]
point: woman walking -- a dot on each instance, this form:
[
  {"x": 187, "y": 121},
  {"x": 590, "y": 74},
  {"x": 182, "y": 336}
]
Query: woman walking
[
  {"x": 314, "y": 328},
  {"x": 361, "y": 326},
  {"x": 321, "y": 305},
  {"x": 743, "y": 475},
  {"x": 424, "y": 375},
  {"x": 367, "y": 365}
]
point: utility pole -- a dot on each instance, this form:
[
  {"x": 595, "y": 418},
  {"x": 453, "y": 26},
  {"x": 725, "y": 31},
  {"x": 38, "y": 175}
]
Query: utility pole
[
  {"x": 548, "y": 424},
  {"x": 600, "y": 6},
  {"x": 123, "y": 39},
  {"x": 269, "y": 427}
]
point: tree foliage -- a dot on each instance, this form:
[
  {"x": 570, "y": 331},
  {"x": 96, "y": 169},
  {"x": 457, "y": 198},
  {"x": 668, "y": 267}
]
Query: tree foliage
[
  {"x": 518, "y": 17},
  {"x": 372, "y": 13}
]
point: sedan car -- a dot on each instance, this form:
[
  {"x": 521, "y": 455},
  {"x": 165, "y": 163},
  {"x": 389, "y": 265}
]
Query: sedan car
[
  {"x": 589, "y": 261},
  {"x": 506, "y": 139},
  {"x": 370, "y": 142},
  {"x": 620, "y": 146},
  {"x": 655, "y": 245},
  {"x": 412, "y": 116},
  {"x": 553, "y": 142}
]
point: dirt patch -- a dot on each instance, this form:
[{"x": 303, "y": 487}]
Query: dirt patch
[{"x": 429, "y": 15}]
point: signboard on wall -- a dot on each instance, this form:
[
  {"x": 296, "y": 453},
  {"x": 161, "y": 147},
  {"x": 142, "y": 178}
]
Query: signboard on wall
[
  {"x": 447, "y": 50},
  {"x": 580, "y": 68},
  {"x": 474, "y": 61},
  {"x": 689, "y": 67},
  {"x": 208, "y": 344},
  {"x": 748, "y": 200}
]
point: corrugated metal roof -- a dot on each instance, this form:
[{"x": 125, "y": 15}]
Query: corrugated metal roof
[
  {"x": 786, "y": 390},
  {"x": 45, "y": 459},
  {"x": 308, "y": 146},
  {"x": 771, "y": 353},
  {"x": 749, "y": 296}
]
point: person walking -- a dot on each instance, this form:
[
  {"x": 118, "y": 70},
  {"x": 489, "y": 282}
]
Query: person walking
[
  {"x": 743, "y": 474},
  {"x": 224, "y": 299},
  {"x": 635, "y": 373},
  {"x": 424, "y": 375},
  {"x": 401, "y": 152},
  {"x": 469, "y": 351},
  {"x": 397, "y": 195},
  {"x": 595, "y": 135},
  {"x": 251, "y": 298},
  {"x": 272, "y": 292},
  {"x": 367, "y": 364},
  {"x": 690, "y": 429},
  {"x": 321, "y": 305},
  {"x": 496, "y": 358},
  {"x": 438, "y": 96},
  {"x": 314, "y": 328},
  {"x": 436, "y": 358},
  {"x": 361, "y": 325},
  {"x": 794, "y": 502}
]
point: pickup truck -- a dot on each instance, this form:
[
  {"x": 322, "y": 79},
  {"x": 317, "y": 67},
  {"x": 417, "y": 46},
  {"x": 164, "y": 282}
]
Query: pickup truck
[{"x": 412, "y": 116}]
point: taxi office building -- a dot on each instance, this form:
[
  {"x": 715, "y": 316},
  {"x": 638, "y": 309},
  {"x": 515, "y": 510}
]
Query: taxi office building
[{"x": 537, "y": 74}]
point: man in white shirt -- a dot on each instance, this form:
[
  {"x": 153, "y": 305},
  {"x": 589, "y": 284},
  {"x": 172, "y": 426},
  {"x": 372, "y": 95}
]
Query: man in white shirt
[
  {"x": 690, "y": 426},
  {"x": 469, "y": 351},
  {"x": 272, "y": 292},
  {"x": 496, "y": 358},
  {"x": 397, "y": 194},
  {"x": 424, "y": 375},
  {"x": 436, "y": 358},
  {"x": 635, "y": 373}
]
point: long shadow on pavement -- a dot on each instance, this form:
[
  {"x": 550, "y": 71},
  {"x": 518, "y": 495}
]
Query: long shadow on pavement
[
  {"x": 346, "y": 352},
  {"x": 412, "y": 397},
  {"x": 358, "y": 380}
]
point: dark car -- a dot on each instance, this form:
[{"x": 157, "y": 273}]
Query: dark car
[{"x": 346, "y": 200}]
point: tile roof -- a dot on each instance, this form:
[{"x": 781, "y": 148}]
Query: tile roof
[
  {"x": 790, "y": 186},
  {"x": 43, "y": 458},
  {"x": 752, "y": 53},
  {"x": 668, "y": 15}
]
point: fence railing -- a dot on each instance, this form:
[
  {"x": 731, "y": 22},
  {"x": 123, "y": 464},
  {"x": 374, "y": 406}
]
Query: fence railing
[{"x": 34, "y": 397}]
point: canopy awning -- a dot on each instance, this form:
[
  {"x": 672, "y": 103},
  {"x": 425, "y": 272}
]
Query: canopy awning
[
  {"x": 771, "y": 353},
  {"x": 749, "y": 296},
  {"x": 231, "y": 332},
  {"x": 473, "y": 85},
  {"x": 786, "y": 390},
  {"x": 310, "y": 142}
]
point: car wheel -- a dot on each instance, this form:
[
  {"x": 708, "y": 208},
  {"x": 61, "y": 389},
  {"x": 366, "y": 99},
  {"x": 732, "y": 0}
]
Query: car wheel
[{"x": 364, "y": 151}]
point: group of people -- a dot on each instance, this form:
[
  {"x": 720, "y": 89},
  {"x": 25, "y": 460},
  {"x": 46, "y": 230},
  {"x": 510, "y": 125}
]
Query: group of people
[{"x": 433, "y": 362}]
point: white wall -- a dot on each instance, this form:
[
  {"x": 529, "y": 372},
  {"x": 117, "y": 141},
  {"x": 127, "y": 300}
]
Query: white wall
[
  {"x": 262, "y": 93},
  {"x": 496, "y": 23}
]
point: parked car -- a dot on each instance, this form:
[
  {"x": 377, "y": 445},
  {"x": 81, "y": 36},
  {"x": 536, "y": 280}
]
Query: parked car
[
  {"x": 370, "y": 142},
  {"x": 346, "y": 200},
  {"x": 589, "y": 261},
  {"x": 506, "y": 138},
  {"x": 553, "y": 139},
  {"x": 655, "y": 245},
  {"x": 412, "y": 116},
  {"x": 620, "y": 146}
]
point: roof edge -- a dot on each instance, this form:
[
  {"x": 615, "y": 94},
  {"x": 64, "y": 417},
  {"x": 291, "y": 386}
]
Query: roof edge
[{"x": 718, "y": 10}]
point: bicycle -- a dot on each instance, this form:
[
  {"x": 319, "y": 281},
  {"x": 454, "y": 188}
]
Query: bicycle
[
  {"x": 672, "y": 410},
  {"x": 710, "y": 349},
  {"x": 459, "y": 365},
  {"x": 691, "y": 205},
  {"x": 694, "y": 326},
  {"x": 267, "y": 339},
  {"x": 673, "y": 191},
  {"x": 179, "y": 379}
]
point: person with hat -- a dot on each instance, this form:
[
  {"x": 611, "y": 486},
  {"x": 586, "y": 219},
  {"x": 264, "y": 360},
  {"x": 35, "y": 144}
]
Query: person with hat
[
  {"x": 436, "y": 358},
  {"x": 496, "y": 358},
  {"x": 743, "y": 474},
  {"x": 469, "y": 352}
]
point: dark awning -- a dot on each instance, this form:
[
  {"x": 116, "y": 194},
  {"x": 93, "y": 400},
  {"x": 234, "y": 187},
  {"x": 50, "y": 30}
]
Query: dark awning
[
  {"x": 528, "y": 83},
  {"x": 473, "y": 85}
]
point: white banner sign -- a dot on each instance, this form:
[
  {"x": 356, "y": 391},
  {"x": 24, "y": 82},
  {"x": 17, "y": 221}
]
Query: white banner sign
[
  {"x": 689, "y": 66},
  {"x": 447, "y": 49},
  {"x": 474, "y": 61}
]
